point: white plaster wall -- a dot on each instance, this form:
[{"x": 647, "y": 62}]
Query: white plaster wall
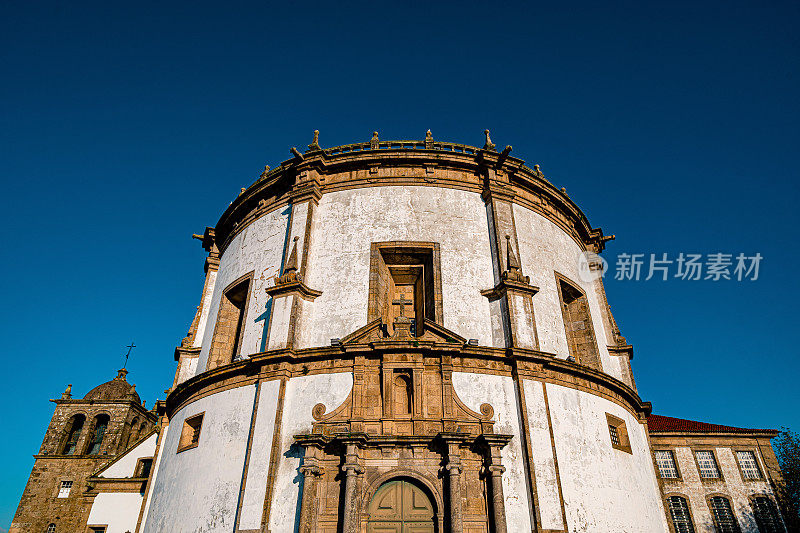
[
  {"x": 197, "y": 490},
  {"x": 206, "y": 305},
  {"x": 301, "y": 395},
  {"x": 119, "y": 511},
  {"x": 543, "y": 459},
  {"x": 125, "y": 466},
  {"x": 731, "y": 485},
  {"x": 259, "y": 248},
  {"x": 499, "y": 392},
  {"x": 348, "y": 221},
  {"x": 258, "y": 467},
  {"x": 604, "y": 489},
  {"x": 544, "y": 249}
]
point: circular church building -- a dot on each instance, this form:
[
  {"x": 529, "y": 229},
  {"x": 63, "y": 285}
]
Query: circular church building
[{"x": 403, "y": 336}]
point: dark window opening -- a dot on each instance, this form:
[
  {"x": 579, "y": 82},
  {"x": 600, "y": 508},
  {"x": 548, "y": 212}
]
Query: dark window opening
[
  {"x": 98, "y": 432},
  {"x": 578, "y": 325},
  {"x": 75, "y": 428}
]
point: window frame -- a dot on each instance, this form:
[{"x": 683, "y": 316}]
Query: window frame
[
  {"x": 752, "y": 498},
  {"x": 761, "y": 477},
  {"x": 712, "y": 451},
  {"x": 137, "y": 473},
  {"x": 688, "y": 500},
  {"x": 597, "y": 364},
  {"x": 622, "y": 433},
  {"x": 671, "y": 451},
  {"x": 61, "y": 487},
  {"x": 90, "y": 438},
  {"x": 183, "y": 445},
  {"x": 92, "y": 528},
  {"x": 709, "y": 497}
]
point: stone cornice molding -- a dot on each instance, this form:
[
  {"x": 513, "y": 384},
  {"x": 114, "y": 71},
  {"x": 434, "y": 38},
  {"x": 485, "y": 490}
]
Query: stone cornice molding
[
  {"x": 526, "y": 363},
  {"x": 348, "y": 167},
  {"x": 509, "y": 286},
  {"x": 293, "y": 287}
]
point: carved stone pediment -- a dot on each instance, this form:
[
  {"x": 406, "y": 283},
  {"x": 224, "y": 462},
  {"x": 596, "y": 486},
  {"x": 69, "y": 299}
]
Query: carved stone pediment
[{"x": 376, "y": 331}]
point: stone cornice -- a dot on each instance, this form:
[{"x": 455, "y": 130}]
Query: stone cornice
[
  {"x": 527, "y": 364},
  {"x": 357, "y": 165}
]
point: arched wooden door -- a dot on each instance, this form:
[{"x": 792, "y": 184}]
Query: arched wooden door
[{"x": 400, "y": 506}]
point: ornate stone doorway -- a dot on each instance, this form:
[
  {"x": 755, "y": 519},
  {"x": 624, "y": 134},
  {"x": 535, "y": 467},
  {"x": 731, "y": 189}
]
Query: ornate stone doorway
[{"x": 400, "y": 506}]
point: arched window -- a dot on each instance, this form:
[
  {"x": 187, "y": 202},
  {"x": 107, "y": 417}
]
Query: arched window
[
  {"x": 767, "y": 516},
  {"x": 73, "y": 434},
  {"x": 679, "y": 513},
  {"x": 722, "y": 512},
  {"x": 578, "y": 324},
  {"x": 133, "y": 435},
  {"x": 99, "y": 430},
  {"x": 51, "y": 528},
  {"x": 403, "y": 395}
]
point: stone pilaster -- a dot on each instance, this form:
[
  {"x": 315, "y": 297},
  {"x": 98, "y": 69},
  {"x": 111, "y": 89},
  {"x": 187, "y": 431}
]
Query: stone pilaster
[{"x": 352, "y": 470}]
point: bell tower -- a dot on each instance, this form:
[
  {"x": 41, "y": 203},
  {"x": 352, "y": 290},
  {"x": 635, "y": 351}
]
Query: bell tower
[{"x": 83, "y": 436}]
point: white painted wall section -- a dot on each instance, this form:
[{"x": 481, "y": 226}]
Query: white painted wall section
[
  {"x": 347, "y": 222},
  {"x": 604, "y": 489},
  {"x": 258, "y": 468},
  {"x": 125, "y": 466},
  {"x": 545, "y": 249},
  {"x": 118, "y": 511},
  {"x": 302, "y": 394},
  {"x": 499, "y": 392},
  {"x": 259, "y": 249},
  {"x": 544, "y": 466},
  {"x": 197, "y": 490}
]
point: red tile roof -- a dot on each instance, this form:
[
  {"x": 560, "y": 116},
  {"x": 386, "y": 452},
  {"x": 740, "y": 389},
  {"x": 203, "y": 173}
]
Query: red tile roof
[{"x": 668, "y": 424}]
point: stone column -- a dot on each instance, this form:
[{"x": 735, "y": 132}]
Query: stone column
[
  {"x": 453, "y": 468},
  {"x": 311, "y": 471},
  {"x": 494, "y": 443},
  {"x": 352, "y": 469}
]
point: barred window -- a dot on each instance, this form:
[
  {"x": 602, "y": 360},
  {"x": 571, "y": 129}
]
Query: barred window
[
  {"x": 51, "y": 528},
  {"x": 724, "y": 521},
  {"x": 749, "y": 465},
  {"x": 679, "y": 512},
  {"x": 63, "y": 490},
  {"x": 614, "y": 435},
  {"x": 707, "y": 464},
  {"x": 666, "y": 464},
  {"x": 767, "y": 516}
]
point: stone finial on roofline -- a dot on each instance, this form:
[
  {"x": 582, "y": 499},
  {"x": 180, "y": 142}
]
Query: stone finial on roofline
[
  {"x": 265, "y": 171},
  {"x": 67, "y": 394},
  {"x": 428, "y": 140},
  {"x": 314, "y": 142},
  {"x": 489, "y": 145},
  {"x": 290, "y": 268},
  {"x": 373, "y": 143}
]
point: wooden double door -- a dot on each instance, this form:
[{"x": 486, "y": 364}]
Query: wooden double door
[{"x": 400, "y": 506}]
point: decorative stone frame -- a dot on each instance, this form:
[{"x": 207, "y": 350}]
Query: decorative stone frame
[
  {"x": 185, "y": 439},
  {"x": 730, "y": 502},
  {"x": 694, "y": 450},
  {"x": 622, "y": 433},
  {"x": 597, "y": 362},
  {"x": 761, "y": 477},
  {"x": 215, "y": 359},
  {"x": 138, "y": 470},
  {"x": 674, "y": 460},
  {"x": 669, "y": 494},
  {"x": 90, "y": 527},
  {"x": 433, "y": 310},
  {"x": 422, "y": 481}
]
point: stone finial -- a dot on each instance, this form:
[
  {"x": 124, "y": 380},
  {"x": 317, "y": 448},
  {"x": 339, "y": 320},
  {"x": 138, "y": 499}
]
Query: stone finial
[
  {"x": 67, "y": 394},
  {"x": 296, "y": 153},
  {"x": 373, "y": 143},
  {"x": 489, "y": 145},
  {"x": 537, "y": 170},
  {"x": 241, "y": 192},
  {"x": 314, "y": 142},
  {"x": 132, "y": 392},
  {"x": 290, "y": 274},
  {"x": 121, "y": 373},
  {"x": 265, "y": 171},
  {"x": 428, "y": 140},
  {"x": 513, "y": 268}
]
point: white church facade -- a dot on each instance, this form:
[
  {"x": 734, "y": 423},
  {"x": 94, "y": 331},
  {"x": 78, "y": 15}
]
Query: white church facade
[{"x": 409, "y": 336}]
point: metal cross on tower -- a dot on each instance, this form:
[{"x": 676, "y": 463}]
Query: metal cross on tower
[{"x": 130, "y": 347}]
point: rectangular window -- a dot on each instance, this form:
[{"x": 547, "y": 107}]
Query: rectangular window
[
  {"x": 143, "y": 467},
  {"x": 722, "y": 513},
  {"x": 578, "y": 324},
  {"x": 618, "y": 433},
  {"x": 190, "y": 433},
  {"x": 679, "y": 512},
  {"x": 63, "y": 491},
  {"x": 97, "y": 529},
  {"x": 766, "y": 514},
  {"x": 226, "y": 343},
  {"x": 749, "y": 465},
  {"x": 707, "y": 465},
  {"x": 666, "y": 464}
]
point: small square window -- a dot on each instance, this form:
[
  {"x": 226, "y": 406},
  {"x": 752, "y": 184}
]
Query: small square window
[
  {"x": 97, "y": 529},
  {"x": 618, "y": 434},
  {"x": 143, "y": 467},
  {"x": 667, "y": 468},
  {"x": 749, "y": 465},
  {"x": 63, "y": 490},
  {"x": 707, "y": 465},
  {"x": 190, "y": 434},
  {"x": 51, "y": 528}
]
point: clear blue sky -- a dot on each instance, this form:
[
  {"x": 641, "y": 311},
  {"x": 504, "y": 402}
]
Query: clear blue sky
[{"x": 126, "y": 128}]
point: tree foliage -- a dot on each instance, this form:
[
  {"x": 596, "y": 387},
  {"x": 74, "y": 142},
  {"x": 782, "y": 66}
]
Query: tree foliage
[{"x": 787, "y": 449}]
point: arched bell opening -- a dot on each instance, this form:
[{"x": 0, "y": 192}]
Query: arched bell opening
[{"x": 401, "y": 505}]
